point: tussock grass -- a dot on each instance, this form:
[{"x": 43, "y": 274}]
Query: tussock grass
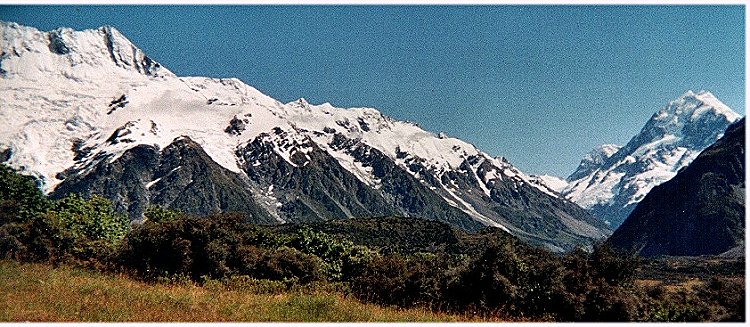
[{"x": 37, "y": 292}]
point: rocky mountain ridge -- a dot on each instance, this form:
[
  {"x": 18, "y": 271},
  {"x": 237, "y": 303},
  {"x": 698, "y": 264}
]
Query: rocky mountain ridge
[{"x": 87, "y": 111}]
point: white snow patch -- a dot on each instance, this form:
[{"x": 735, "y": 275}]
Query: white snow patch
[{"x": 471, "y": 211}]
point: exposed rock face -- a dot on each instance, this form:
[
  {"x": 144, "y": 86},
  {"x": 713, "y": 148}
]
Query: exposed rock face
[
  {"x": 700, "y": 211},
  {"x": 180, "y": 176},
  {"x": 313, "y": 186},
  {"x": 5, "y": 155},
  {"x": 125, "y": 54},
  {"x": 88, "y": 112},
  {"x": 57, "y": 43},
  {"x": 236, "y": 126}
]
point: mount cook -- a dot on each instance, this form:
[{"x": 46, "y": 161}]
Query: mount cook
[
  {"x": 611, "y": 180},
  {"x": 708, "y": 216},
  {"x": 89, "y": 112}
]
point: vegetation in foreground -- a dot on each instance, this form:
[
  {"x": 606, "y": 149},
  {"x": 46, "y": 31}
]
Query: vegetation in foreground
[
  {"x": 488, "y": 275},
  {"x": 38, "y": 292}
]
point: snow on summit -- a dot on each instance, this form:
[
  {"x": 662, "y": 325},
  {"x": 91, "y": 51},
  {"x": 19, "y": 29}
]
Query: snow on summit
[
  {"x": 73, "y": 102},
  {"x": 72, "y": 54},
  {"x": 611, "y": 180},
  {"x": 96, "y": 90},
  {"x": 124, "y": 98}
]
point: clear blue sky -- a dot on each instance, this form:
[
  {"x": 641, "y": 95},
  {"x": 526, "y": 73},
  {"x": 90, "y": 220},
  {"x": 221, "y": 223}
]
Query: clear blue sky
[{"x": 540, "y": 85}]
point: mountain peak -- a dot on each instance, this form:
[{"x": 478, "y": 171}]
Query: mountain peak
[
  {"x": 669, "y": 141},
  {"x": 33, "y": 54},
  {"x": 593, "y": 160},
  {"x": 692, "y": 105},
  {"x": 695, "y": 118},
  {"x": 601, "y": 152},
  {"x": 693, "y": 94},
  {"x": 697, "y": 95}
]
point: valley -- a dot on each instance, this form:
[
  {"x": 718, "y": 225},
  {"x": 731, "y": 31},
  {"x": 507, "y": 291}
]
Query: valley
[{"x": 129, "y": 193}]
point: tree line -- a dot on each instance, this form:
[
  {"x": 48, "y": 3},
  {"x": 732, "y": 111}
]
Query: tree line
[{"x": 502, "y": 278}]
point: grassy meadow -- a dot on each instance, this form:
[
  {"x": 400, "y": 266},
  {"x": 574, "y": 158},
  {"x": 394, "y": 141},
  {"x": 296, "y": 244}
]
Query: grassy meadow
[{"x": 39, "y": 292}]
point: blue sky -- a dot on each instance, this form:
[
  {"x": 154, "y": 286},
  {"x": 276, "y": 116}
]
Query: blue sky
[{"x": 539, "y": 85}]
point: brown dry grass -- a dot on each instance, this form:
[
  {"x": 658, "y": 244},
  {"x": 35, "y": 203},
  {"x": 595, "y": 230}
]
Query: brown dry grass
[
  {"x": 687, "y": 285},
  {"x": 36, "y": 292}
]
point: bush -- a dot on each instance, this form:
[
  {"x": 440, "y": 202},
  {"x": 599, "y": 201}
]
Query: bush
[
  {"x": 289, "y": 264},
  {"x": 723, "y": 299},
  {"x": 91, "y": 221},
  {"x": 20, "y": 198},
  {"x": 159, "y": 214},
  {"x": 332, "y": 252},
  {"x": 381, "y": 280},
  {"x": 36, "y": 229},
  {"x": 427, "y": 278},
  {"x": 512, "y": 280},
  {"x": 167, "y": 248},
  {"x": 614, "y": 268},
  {"x": 672, "y": 308},
  {"x": 220, "y": 246},
  {"x": 282, "y": 264},
  {"x": 20, "y": 203}
]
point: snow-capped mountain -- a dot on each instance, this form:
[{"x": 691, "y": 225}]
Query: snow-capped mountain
[
  {"x": 552, "y": 183},
  {"x": 701, "y": 211},
  {"x": 610, "y": 180},
  {"x": 592, "y": 161},
  {"x": 88, "y": 112}
]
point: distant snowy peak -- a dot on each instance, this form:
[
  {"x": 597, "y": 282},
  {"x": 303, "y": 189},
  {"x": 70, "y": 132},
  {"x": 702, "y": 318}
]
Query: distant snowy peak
[
  {"x": 610, "y": 181},
  {"x": 694, "y": 121},
  {"x": 553, "y": 183},
  {"x": 593, "y": 160},
  {"x": 74, "y": 54},
  {"x": 601, "y": 153},
  {"x": 697, "y": 104}
]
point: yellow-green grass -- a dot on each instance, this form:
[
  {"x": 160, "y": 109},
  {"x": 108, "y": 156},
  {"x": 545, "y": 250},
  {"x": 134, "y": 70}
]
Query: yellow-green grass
[{"x": 37, "y": 292}]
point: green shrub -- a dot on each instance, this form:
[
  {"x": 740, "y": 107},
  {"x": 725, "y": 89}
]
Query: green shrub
[
  {"x": 673, "y": 310},
  {"x": 37, "y": 229},
  {"x": 332, "y": 252},
  {"x": 282, "y": 264},
  {"x": 91, "y": 220},
  {"x": 20, "y": 198},
  {"x": 159, "y": 214},
  {"x": 290, "y": 264}
]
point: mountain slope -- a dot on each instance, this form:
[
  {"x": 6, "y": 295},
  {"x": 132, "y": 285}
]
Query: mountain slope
[
  {"x": 700, "y": 211},
  {"x": 89, "y": 112},
  {"x": 553, "y": 183},
  {"x": 179, "y": 176},
  {"x": 610, "y": 181}
]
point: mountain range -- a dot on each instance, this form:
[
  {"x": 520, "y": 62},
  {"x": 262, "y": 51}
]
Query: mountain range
[{"x": 88, "y": 112}]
